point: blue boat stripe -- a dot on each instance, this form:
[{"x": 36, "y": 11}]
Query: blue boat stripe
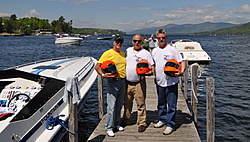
[{"x": 40, "y": 70}]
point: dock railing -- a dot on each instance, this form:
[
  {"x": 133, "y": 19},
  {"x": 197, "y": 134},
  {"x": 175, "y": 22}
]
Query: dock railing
[{"x": 194, "y": 69}]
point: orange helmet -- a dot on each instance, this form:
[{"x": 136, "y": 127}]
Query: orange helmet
[
  {"x": 109, "y": 67},
  {"x": 142, "y": 67},
  {"x": 171, "y": 67}
]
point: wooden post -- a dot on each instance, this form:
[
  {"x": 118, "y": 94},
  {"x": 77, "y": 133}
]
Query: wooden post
[
  {"x": 194, "y": 92},
  {"x": 210, "y": 109},
  {"x": 100, "y": 97},
  {"x": 186, "y": 82},
  {"x": 73, "y": 120}
]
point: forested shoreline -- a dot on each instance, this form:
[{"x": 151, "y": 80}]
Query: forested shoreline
[{"x": 29, "y": 25}]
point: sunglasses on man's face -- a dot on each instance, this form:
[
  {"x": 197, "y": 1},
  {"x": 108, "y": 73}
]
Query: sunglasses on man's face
[
  {"x": 139, "y": 41},
  {"x": 161, "y": 37},
  {"x": 119, "y": 41}
]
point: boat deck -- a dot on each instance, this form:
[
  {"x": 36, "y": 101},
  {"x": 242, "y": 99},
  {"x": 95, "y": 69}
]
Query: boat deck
[{"x": 185, "y": 127}]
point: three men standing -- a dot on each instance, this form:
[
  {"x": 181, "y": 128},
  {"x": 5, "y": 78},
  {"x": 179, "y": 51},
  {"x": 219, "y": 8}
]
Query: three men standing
[{"x": 135, "y": 86}]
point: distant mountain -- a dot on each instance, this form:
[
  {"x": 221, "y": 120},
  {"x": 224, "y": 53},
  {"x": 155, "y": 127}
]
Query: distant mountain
[
  {"x": 237, "y": 30},
  {"x": 185, "y": 28}
]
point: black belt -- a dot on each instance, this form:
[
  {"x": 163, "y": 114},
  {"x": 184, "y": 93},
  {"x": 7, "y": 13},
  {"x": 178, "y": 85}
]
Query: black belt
[
  {"x": 118, "y": 78},
  {"x": 134, "y": 83}
]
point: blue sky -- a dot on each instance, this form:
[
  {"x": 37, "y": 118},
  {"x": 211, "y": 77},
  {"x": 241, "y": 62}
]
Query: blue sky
[{"x": 129, "y": 15}]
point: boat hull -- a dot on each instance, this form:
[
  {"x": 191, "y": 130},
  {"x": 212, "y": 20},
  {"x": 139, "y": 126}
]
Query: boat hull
[
  {"x": 104, "y": 38},
  {"x": 31, "y": 118},
  {"x": 191, "y": 51},
  {"x": 69, "y": 40}
]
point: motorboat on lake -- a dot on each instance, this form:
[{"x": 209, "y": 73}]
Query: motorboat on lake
[
  {"x": 68, "y": 40},
  {"x": 191, "y": 51},
  {"x": 104, "y": 38},
  {"x": 31, "y": 93}
]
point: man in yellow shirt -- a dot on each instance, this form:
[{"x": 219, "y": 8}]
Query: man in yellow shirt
[{"x": 116, "y": 86}]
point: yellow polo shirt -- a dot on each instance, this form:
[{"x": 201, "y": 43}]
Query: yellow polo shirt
[{"x": 118, "y": 58}]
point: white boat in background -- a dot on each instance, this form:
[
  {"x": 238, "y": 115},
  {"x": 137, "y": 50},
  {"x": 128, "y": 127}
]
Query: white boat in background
[
  {"x": 69, "y": 40},
  {"x": 104, "y": 38},
  {"x": 191, "y": 51},
  {"x": 33, "y": 92}
]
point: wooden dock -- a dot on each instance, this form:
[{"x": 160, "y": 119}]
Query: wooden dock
[{"x": 185, "y": 127}]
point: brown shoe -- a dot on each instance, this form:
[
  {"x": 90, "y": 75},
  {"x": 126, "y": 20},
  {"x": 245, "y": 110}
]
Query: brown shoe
[{"x": 141, "y": 128}]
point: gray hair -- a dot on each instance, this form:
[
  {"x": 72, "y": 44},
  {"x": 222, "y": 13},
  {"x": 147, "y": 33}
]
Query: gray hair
[{"x": 161, "y": 31}]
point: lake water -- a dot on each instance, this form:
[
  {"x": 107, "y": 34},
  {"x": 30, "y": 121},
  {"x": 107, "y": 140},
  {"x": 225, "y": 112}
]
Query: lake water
[{"x": 229, "y": 67}]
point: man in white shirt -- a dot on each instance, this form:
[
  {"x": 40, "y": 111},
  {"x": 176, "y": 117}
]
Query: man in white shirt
[
  {"x": 136, "y": 84},
  {"x": 167, "y": 87},
  {"x": 153, "y": 43}
]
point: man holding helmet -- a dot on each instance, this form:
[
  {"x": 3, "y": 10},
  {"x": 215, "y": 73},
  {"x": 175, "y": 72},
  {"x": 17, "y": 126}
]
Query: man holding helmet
[
  {"x": 116, "y": 83},
  {"x": 167, "y": 86},
  {"x": 136, "y": 69}
]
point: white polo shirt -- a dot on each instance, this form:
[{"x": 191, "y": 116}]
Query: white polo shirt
[
  {"x": 133, "y": 57},
  {"x": 160, "y": 57}
]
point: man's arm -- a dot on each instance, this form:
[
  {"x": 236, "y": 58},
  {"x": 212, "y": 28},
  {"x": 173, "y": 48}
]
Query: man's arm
[{"x": 183, "y": 67}]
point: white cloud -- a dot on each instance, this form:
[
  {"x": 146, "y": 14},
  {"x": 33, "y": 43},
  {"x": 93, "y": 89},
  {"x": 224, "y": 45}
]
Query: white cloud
[
  {"x": 200, "y": 10},
  {"x": 168, "y": 16},
  {"x": 124, "y": 8},
  {"x": 138, "y": 8},
  {"x": 245, "y": 9},
  {"x": 127, "y": 23},
  {"x": 75, "y": 1},
  {"x": 4, "y": 15},
  {"x": 82, "y": 1},
  {"x": 33, "y": 13}
]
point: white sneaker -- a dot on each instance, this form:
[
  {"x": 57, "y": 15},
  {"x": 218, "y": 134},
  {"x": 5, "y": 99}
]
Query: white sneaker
[
  {"x": 159, "y": 124},
  {"x": 110, "y": 133},
  {"x": 168, "y": 131},
  {"x": 120, "y": 128}
]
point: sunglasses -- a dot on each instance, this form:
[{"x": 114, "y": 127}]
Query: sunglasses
[
  {"x": 119, "y": 41},
  {"x": 139, "y": 41},
  {"x": 161, "y": 37}
]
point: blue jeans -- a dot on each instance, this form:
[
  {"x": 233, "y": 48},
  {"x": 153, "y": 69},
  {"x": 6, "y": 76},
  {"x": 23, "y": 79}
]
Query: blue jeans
[
  {"x": 115, "y": 96},
  {"x": 167, "y": 96}
]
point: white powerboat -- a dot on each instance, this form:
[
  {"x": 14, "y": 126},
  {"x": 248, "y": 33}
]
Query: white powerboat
[
  {"x": 191, "y": 51},
  {"x": 69, "y": 40},
  {"x": 104, "y": 38},
  {"x": 33, "y": 92}
]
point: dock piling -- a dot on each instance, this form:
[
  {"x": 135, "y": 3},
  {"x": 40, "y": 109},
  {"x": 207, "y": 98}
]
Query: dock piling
[
  {"x": 210, "y": 109},
  {"x": 73, "y": 120},
  {"x": 194, "y": 100},
  {"x": 100, "y": 97}
]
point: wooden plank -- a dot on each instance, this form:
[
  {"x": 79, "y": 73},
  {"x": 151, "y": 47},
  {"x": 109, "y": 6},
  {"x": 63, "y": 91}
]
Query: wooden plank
[{"x": 185, "y": 128}]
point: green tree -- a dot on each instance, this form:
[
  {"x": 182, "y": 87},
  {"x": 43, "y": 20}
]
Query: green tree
[
  {"x": 8, "y": 26},
  {"x": 13, "y": 17},
  {"x": 1, "y": 27}
]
